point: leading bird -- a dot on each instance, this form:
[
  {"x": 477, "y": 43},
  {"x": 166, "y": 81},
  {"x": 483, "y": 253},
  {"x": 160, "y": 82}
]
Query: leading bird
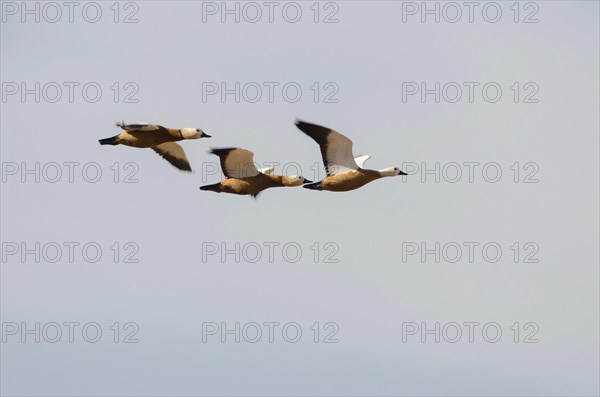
[{"x": 344, "y": 171}]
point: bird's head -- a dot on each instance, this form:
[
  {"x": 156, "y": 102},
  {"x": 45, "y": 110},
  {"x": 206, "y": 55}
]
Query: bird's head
[
  {"x": 392, "y": 171},
  {"x": 295, "y": 180},
  {"x": 193, "y": 133}
]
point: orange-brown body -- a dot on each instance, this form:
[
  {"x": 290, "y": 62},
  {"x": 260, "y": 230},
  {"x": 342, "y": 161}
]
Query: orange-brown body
[
  {"x": 251, "y": 185},
  {"x": 143, "y": 139}
]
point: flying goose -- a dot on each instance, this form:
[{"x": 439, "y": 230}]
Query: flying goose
[
  {"x": 242, "y": 176},
  {"x": 158, "y": 138},
  {"x": 344, "y": 171}
]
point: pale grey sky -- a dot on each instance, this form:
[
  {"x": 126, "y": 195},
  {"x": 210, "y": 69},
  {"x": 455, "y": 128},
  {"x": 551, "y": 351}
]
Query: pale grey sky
[{"x": 170, "y": 57}]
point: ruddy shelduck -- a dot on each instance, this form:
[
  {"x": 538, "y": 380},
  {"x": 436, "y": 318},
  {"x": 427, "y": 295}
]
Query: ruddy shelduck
[
  {"x": 158, "y": 138},
  {"x": 344, "y": 171},
  {"x": 242, "y": 176}
]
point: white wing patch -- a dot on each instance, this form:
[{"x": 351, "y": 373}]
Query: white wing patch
[
  {"x": 339, "y": 154},
  {"x": 174, "y": 154},
  {"x": 360, "y": 160},
  {"x": 239, "y": 163},
  {"x": 267, "y": 170}
]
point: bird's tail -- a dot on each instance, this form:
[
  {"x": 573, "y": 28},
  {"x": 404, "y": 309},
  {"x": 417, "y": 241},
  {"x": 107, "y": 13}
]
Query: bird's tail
[
  {"x": 109, "y": 141},
  {"x": 213, "y": 188},
  {"x": 314, "y": 186}
]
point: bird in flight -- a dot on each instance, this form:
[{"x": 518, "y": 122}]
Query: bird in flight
[
  {"x": 242, "y": 176},
  {"x": 344, "y": 171},
  {"x": 158, "y": 138}
]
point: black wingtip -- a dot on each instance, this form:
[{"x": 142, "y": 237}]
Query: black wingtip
[
  {"x": 315, "y": 131},
  {"x": 303, "y": 124},
  {"x": 221, "y": 151},
  {"x": 314, "y": 186},
  {"x": 212, "y": 188},
  {"x": 108, "y": 141}
]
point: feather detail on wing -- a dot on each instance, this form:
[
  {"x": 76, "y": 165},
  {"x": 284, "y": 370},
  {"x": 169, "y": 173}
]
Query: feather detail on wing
[
  {"x": 140, "y": 127},
  {"x": 336, "y": 148},
  {"x": 174, "y": 154},
  {"x": 360, "y": 160},
  {"x": 236, "y": 163}
]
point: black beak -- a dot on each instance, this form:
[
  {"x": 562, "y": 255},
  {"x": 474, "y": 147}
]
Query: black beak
[
  {"x": 203, "y": 135},
  {"x": 307, "y": 181},
  {"x": 402, "y": 173}
]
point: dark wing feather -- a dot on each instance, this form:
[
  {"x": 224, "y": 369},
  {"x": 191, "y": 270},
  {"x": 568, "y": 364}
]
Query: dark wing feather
[
  {"x": 141, "y": 127},
  {"x": 336, "y": 149},
  {"x": 319, "y": 134},
  {"x": 174, "y": 154},
  {"x": 236, "y": 162}
]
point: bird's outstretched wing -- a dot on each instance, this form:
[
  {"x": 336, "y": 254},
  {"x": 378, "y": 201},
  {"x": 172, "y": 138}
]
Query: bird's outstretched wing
[
  {"x": 360, "y": 160},
  {"x": 236, "y": 163},
  {"x": 336, "y": 148},
  {"x": 140, "y": 127},
  {"x": 174, "y": 154}
]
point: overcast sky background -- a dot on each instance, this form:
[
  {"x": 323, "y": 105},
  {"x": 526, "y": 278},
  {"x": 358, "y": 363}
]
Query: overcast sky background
[{"x": 169, "y": 53}]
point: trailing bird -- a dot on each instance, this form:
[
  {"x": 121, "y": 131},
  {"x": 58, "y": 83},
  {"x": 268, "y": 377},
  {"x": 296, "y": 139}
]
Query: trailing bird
[{"x": 158, "y": 138}]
